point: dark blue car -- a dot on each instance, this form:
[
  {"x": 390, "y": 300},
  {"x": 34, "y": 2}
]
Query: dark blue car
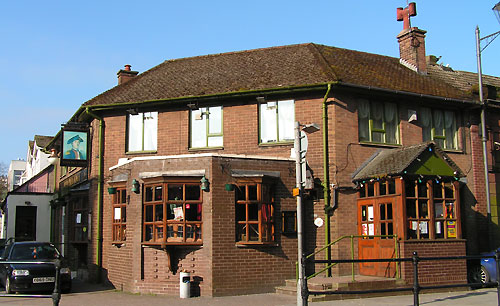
[
  {"x": 27, "y": 276},
  {"x": 487, "y": 271}
]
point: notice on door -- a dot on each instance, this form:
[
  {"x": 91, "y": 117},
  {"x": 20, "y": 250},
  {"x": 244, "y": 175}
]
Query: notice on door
[{"x": 451, "y": 228}]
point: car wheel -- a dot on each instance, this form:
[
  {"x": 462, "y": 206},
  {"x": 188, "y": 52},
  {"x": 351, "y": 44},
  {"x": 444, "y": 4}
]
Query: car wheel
[
  {"x": 484, "y": 275},
  {"x": 8, "y": 290}
]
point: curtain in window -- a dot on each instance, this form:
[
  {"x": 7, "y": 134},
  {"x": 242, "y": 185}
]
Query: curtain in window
[
  {"x": 198, "y": 128},
  {"x": 450, "y": 130},
  {"x": 286, "y": 118},
  {"x": 150, "y": 131},
  {"x": 438, "y": 124},
  {"x": 425, "y": 119},
  {"x": 363, "y": 120},
  {"x": 268, "y": 130},
  {"x": 391, "y": 123},
  {"x": 135, "y": 132},
  {"x": 377, "y": 121}
]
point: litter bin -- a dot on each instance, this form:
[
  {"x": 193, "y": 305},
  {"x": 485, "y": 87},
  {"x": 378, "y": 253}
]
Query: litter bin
[{"x": 185, "y": 285}]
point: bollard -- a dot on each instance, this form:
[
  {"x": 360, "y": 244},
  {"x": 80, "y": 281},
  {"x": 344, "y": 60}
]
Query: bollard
[
  {"x": 56, "y": 295},
  {"x": 185, "y": 285},
  {"x": 416, "y": 286}
]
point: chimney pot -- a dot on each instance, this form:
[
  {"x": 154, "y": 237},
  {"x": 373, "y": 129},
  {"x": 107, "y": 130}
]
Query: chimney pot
[{"x": 126, "y": 74}]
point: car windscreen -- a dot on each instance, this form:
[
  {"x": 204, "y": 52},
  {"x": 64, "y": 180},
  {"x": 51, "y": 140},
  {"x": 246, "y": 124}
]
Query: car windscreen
[{"x": 33, "y": 252}]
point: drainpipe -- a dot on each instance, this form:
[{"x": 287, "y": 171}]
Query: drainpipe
[
  {"x": 326, "y": 181},
  {"x": 100, "y": 182}
]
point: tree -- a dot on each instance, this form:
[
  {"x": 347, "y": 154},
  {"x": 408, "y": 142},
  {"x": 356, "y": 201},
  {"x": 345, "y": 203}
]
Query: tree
[{"x": 3, "y": 181}]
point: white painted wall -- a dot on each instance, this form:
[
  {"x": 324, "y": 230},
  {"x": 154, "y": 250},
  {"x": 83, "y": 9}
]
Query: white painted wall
[{"x": 42, "y": 202}]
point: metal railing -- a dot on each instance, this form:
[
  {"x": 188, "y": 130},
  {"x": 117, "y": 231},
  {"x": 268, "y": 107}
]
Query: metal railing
[
  {"x": 331, "y": 263},
  {"x": 56, "y": 294},
  {"x": 416, "y": 288}
]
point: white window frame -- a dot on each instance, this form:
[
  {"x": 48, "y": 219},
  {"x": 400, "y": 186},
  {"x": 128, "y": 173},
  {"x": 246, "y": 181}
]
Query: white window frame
[
  {"x": 142, "y": 132},
  {"x": 276, "y": 121},
  {"x": 206, "y": 127}
]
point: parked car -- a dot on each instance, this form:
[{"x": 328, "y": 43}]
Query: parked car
[
  {"x": 28, "y": 277},
  {"x": 486, "y": 271}
]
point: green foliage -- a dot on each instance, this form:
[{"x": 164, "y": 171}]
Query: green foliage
[{"x": 3, "y": 181}]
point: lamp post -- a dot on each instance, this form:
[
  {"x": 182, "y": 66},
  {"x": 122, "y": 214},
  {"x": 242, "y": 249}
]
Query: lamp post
[
  {"x": 299, "y": 160},
  {"x": 489, "y": 39}
]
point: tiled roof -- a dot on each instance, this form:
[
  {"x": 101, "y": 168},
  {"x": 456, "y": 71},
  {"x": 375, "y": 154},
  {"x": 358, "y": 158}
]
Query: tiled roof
[
  {"x": 269, "y": 68},
  {"x": 43, "y": 141},
  {"x": 462, "y": 80},
  {"x": 396, "y": 161}
]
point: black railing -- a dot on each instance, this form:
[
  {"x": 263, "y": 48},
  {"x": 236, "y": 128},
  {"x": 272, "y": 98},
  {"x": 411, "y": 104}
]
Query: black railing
[
  {"x": 56, "y": 294},
  {"x": 416, "y": 288}
]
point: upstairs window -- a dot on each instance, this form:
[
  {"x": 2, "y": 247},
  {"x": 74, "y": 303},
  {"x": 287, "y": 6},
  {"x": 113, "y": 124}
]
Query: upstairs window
[
  {"x": 277, "y": 121},
  {"x": 254, "y": 213},
  {"x": 378, "y": 122},
  {"x": 119, "y": 215},
  {"x": 142, "y": 132},
  {"x": 206, "y": 127},
  {"x": 439, "y": 126}
]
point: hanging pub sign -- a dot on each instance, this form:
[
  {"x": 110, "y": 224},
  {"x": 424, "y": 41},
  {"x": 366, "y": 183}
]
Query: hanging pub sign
[{"x": 75, "y": 146}]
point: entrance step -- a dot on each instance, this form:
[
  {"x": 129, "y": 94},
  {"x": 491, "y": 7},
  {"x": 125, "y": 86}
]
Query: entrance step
[{"x": 344, "y": 283}]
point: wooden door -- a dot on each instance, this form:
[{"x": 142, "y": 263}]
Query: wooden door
[{"x": 375, "y": 219}]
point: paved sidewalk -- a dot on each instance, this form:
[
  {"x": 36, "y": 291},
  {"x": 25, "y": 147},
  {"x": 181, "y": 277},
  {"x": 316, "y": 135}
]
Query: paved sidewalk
[{"x": 95, "y": 295}]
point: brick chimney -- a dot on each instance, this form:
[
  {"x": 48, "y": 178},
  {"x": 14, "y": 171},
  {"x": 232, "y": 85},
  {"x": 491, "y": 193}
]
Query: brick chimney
[
  {"x": 411, "y": 41},
  {"x": 125, "y": 75}
]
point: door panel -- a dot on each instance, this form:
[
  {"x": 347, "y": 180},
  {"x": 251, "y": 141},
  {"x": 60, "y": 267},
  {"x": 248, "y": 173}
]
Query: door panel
[{"x": 375, "y": 218}]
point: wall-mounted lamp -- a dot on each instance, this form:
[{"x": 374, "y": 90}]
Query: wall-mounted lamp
[
  {"x": 135, "y": 186},
  {"x": 204, "y": 184},
  {"x": 112, "y": 190},
  {"x": 133, "y": 111},
  {"x": 229, "y": 187}
]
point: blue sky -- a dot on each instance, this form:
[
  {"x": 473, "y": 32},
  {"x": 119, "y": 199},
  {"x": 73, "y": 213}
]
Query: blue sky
[{"x": 55, "y": 55}]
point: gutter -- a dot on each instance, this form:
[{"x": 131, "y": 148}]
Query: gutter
[
  {"x": 100, "y": 183},
  {"x": 326, "y": 180}
]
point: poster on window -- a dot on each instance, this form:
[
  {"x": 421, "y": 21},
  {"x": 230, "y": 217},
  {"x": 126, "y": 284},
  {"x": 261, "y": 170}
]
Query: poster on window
[
  {"x": 451, "y": 227},
  {"x": 364, "y": 229},
  {"x": 74, "y": 145},
  {"x": 118, "y": 213},
  {"x": 178, "y": 213},
  {"x": 371, "y": 229},
  {"x": 370, "y": 213}
]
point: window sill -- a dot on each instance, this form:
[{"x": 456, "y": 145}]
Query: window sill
[
  {"x": 272, "y": 144},
  {"x": 440, "y": 240},
  {"x": 118, "y": 244},
  {"x": 205, "y": 149},
  {"x": 176, "y": 244},
  {"x": 140, "y": 152},
  {"x": 254, "y": 244},
  {"x": 382, "y": 145}
]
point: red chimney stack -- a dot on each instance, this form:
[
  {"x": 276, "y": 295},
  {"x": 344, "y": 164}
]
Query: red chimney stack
[
  {"x": 411, "y": 41},
  {"x": 125, "y": 75}
]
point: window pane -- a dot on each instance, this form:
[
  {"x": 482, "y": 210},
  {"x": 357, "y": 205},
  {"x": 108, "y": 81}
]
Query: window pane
[
  {"x": 149, "y": 213},
  {"x": 192, "y": 192},
  {"x": 198, "y": 128},
  {"x": 411, "y": 211},
  {"x": 377, "y": 115},
  {"x": 193, "y": 212},
  {"x": 135, "y": 132},
  {"x": 437, "y": 191},
  {"x": 448, "y": 190},
  {"x": 377, "y": 137},
  {"x": 241, "y": 214},
  {"x": 175, "y": 192},
  {"x": 150, "y": 131},
  {"x": 382, "y": 212},
  {"x": 364, "y": 129},
  {"x": 123, "y": 196},
  {"x": 268, "y": 124},
  {"x": 158, "y": 212},
  {"x": 215, "y": 120},
  {"x": 241, "y": 232},
  {"x": 253, "y": 212},
  {"x": 423, "y": 210},
  {"x": 253, "y": 232},
  {"x": 389, "y": 211},
  {"x": 382, "y": 188},
  {"x": 240, "y": 193},
  {"x": 363, "y": 213},
  {"x": 124, "y": 214},
  {"x": 390, "y": 229},
  {"x": 148, "y": 236},
  {"x": 422, "y": 190},
  {"x": 438, "y": 210},
  {"x": 286, "y": 118},
  {"x": 410, "y": 188},
  {"x": 149, "y": 194},
  {"x": 450, "y": 210},
  {"x": 252, "y": 192},
  {"x": 392, "y": 187},
  {"x": 158, "y": 193},
  {"x": 215, "y": 141}
]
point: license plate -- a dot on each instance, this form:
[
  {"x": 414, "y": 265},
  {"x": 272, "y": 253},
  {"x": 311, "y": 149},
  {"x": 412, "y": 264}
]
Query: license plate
[{"x": 39, "y": 280}]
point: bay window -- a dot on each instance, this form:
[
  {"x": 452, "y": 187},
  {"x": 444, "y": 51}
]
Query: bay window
[
  {"x": 172, "y": 213},
  {"x": 119, "y": 207}
]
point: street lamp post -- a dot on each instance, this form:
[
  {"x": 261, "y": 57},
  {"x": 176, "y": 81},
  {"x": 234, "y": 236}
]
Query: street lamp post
[
  {"x": 489, "y": 39},
  {"x": 299, "y": 160}
]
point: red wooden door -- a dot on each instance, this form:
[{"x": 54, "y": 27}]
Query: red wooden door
[{"x": 375, "y": 219}]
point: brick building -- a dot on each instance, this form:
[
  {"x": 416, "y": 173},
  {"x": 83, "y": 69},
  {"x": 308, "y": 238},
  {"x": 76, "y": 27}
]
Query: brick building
[{"x": 190, "y": 168}]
